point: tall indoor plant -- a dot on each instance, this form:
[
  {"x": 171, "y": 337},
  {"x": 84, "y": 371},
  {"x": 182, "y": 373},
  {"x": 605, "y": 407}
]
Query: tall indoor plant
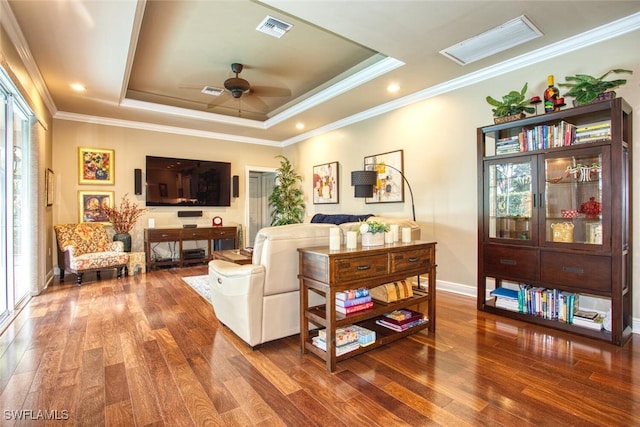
[
  {"x": 123, "y": 218},
  {"x": 286, "y": 199}
]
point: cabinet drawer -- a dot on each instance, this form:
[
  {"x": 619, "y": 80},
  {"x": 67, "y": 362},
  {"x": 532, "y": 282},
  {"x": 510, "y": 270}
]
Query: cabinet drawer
[
  {"x": 195, "y": 234},
  {"x": 159, "y": 235},
  {"x": 223, "y": 233},
  {"x": 511, "y": 262},
  {"x": 410, "y": 260},
  {"x": 582, "y": 271},
  {"x": 361, "y": 267}
]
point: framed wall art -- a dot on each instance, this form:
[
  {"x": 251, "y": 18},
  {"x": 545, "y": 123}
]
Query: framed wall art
[
  {"x": 91, "y": 203},
  {"x": 325, "y": 183},
  {"x": 48, "y": 186},
  {"x": 96, "y": 166},
  {"x": 389, "y": 186}
]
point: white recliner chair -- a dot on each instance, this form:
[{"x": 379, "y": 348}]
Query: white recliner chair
[{"x": 260, "y": 302}]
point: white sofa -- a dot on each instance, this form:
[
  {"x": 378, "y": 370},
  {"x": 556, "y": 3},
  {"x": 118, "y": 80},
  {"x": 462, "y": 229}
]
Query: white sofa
[{"x": 260, "y": 302}]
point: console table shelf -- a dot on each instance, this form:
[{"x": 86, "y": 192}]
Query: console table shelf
[
  {"x": 178, "y": 236},
  {"x": 326, "y": 272}
]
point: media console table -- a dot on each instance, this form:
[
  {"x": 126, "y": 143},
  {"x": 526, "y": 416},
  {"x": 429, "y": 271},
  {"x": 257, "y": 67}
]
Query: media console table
[
  {"x": 326, "y": 272},
  {"x": 176, "y": 237}
]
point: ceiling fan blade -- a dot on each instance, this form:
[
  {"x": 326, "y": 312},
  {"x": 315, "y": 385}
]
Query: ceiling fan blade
[
  {"x": 270, "y": 91},
  {"x": 256, "y": 103}
]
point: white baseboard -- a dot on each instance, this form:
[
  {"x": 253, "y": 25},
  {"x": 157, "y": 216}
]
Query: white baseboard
[{"x": 471, "y": 291}]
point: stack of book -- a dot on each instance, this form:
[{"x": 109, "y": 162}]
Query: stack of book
[
  {"x": 506, "y": 298},
  {"x": 346, "y": 340},
  {"x": 353, "y": 301},
  {"x": 401, "y": 320},
  {"x": 365, "y": 336},
  {"x": 588, "y": 319},
  {"x": 510, "y": 144},
  {"x": 594, "y": 132}
]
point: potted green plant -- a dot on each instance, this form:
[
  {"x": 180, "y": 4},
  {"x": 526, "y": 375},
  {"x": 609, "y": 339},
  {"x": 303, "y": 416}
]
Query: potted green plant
[
  {"x": 286, "y": 199},
  {"x": 512, "y": 107},
  {"x": 587, "y": 89},
  {"x": 372, "y": 232}
]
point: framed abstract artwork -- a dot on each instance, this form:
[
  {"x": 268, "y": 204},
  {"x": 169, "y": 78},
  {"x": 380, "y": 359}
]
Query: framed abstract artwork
[
  {"x": 96, "y": 166},
  {"x": 389, "y": 187},
  {"x": 90, "y": 205},
  {"x": 325, "y": 184}
]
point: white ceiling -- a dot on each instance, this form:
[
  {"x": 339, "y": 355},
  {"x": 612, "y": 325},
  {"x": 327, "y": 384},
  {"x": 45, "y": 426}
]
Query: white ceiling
[{"x": 144, "y": 62}]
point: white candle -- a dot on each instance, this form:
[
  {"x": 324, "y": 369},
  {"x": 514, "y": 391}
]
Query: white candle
[
  {"x": 394, "y": 231},
  {"x": 406, "y": 235},
  {"x": 388, "y": 237},
  {"x": 352, "y": 239},
  {"x": 334, "y": 239}
]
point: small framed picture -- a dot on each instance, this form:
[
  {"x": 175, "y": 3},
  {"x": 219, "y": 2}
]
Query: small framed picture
[
  {"x": 91, "y": 203},
  {"x": 389, "y": 186},
  {"x": 325, "y": 184},
  {"x": 48, "y": 186},
  {"x": 96, "y": 166}
]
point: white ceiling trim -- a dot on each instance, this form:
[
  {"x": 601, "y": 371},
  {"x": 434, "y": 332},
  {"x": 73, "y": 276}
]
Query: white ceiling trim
[
  {"x": 588, "y": 38},
  {"x": 164, "y": 129}
]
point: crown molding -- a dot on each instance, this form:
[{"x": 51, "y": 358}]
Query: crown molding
[
  {"x": 164, "y": 129},
  {"x": 599, "y": 34}
]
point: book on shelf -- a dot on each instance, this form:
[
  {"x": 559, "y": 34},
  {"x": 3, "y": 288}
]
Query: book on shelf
[
  {"x": 352, "y": 294},
  {"x": 507, "y": 304},
  {"x": 352, "y": 302},
  {"x": 344, "y": 335},
  {"x": 586, "y": 314},
  {"x": 402, "y": 316},
  {"x": 354, "y": 308},
  {"x": 365, "y": 336},
  {"x": 340, "y": 349},
  {"x": 400, "y": 328},
  {"x": 505, "y": 293},
  {"x": 595, "y": 324}
]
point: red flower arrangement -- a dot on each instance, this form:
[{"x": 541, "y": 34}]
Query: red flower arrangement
[{"x": 124, "y": 217}]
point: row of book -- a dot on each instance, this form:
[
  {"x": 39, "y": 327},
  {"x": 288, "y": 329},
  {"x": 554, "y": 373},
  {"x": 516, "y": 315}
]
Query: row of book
[
  {"x": 551, "y": 304},
  {"x": 353, "y": 301},
  {"x": 348, "y": 338},
  {"x": 562, "y": 134}
]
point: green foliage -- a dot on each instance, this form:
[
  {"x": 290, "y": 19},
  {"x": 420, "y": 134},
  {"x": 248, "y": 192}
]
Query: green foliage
[
  {"x": 585, "y": 88},
  {"x": 512, "y": 103},
  {"x": 286, "y": 199},
  {"x": 371, "y": 227}
]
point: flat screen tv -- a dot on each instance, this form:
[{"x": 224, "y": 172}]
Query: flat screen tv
[{"x": 184, "y": 182}]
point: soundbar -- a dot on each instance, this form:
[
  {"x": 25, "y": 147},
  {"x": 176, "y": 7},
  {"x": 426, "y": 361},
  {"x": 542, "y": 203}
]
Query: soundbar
[{"x": 183, "y": 214}]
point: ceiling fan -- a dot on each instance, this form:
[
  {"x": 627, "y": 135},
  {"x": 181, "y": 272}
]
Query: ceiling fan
[{"x": 236, "y": 85}]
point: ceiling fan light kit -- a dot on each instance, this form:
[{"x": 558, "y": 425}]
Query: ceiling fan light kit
[{"x": 236, "y": 85}]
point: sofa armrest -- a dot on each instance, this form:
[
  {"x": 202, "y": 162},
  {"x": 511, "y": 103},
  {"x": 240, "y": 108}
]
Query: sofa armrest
[{"x": 115, "y": 246}]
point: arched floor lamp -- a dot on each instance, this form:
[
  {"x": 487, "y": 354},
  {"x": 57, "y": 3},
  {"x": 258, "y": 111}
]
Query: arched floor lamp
[{"x": 364, "y": 181}]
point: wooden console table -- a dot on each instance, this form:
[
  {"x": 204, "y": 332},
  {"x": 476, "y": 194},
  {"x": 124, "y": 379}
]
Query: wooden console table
[
  {"x": 326, "y": 272},
  {"x": 175, "y": 238},
  {"x": 232, "y": 255}
]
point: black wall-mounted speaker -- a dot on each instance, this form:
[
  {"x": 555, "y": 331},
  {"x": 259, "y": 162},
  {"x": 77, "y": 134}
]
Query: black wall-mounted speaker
[
  {"x": 137, "y": 180},
  {"x": 235, "y": 187},
  {"x": 189, "y": 213}
]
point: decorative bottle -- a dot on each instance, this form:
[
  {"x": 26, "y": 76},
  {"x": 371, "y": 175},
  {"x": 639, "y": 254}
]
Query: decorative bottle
[{"x": 551, "y": 95}]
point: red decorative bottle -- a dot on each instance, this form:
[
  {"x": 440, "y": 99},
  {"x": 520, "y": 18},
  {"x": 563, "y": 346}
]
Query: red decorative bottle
[{"x": 551, "y": 95}]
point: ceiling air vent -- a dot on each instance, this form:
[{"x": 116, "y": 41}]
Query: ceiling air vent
[
  {"x": 210, "y": 90},
  {"x": 506, "y": 36},
  {"x": 274, "y": 27}
]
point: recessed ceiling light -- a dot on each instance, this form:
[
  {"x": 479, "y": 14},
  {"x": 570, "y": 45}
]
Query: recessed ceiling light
[
  {"x": 393, "y": 88},
  {"x": 78, "y": 87},
  {"x": 300, "y": 126}
]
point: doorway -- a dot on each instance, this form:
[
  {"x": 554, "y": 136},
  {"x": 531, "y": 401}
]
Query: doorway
[{"x": 257, "y": 212}]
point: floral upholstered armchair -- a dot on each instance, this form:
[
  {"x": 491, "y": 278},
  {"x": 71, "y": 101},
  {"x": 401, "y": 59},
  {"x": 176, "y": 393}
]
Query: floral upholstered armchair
[{"x": 87, "y": 247}]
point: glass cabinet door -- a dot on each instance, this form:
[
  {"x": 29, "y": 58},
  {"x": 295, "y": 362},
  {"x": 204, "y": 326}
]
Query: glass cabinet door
[
  {"x": 573, "y": 197},
  {"x": 510, "y": 199}
]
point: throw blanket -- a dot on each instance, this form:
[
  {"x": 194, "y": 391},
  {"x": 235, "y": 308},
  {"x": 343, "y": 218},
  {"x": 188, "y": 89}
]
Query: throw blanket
[{"x": 338, "y": 219}]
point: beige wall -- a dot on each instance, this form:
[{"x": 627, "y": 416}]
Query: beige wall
[
  {"x": 438, "y": 137},
  {"x": 130, "y": 148}
]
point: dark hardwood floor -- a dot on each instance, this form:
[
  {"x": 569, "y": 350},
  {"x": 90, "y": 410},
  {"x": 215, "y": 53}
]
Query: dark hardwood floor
[{"x": 148, "y": 350}]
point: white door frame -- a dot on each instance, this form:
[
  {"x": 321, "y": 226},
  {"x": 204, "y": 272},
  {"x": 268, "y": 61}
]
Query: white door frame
[{"x": 247, "y": 203}]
